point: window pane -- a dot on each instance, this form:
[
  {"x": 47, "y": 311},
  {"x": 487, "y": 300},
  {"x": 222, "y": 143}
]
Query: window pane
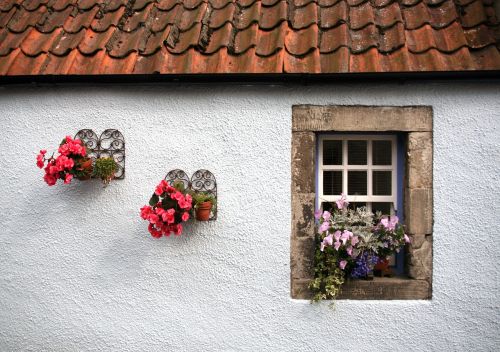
[
  {"x": 356, "y": 152},
  {"x": 384, "y": 208},
  {"x": 332, "y": 182},
  {"x": 356, "y": 183},
  {"x": 382, "y": 183},
  {"x": 382, "y": 152},
  {"x": 327, "y": 206},
  {"x": 332, "y": 152}
]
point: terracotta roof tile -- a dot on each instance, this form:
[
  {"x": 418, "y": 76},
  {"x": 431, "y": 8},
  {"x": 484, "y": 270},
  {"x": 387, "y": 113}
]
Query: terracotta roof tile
[
  {"x": 137, "y": 19},
  {"x": 271, "y": 41},
  {"x": 23, "y": 19},
  {"x": 161, "y": 19},
  {"x": 113, "y": 5},
  {"x": 301, "y": 42},
  {"x": 247, "y": 15},
  {"x": 334, "y": 38},
  {"x": 53, "y": 19},
  {"x": 6, "y": 16},
  {"x": 95, "y": 41},
  {"x": 302, "y": 17},
  {"x": 334, "y": 15},
  {"x": 437, "y": 17},
  {"x": 80, "y": 19},
  {"x": 221, "y": 38},
  {"x": 220, "y": 17},
  {"x": 254, "y": 36},
  {"x": 101, "y": 23},
  {"x": 270, "y": 17}
]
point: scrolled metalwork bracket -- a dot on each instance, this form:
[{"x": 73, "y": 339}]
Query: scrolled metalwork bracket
[
  {"x": 110, "y": 143},
  {"x": 201, "y": 181}
]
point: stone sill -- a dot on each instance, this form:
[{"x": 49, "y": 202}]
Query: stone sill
[{"x": 395, "y": 288}]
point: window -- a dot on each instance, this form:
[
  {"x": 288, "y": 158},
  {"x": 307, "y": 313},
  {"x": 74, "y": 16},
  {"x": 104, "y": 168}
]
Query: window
[
  {"x": 361, "y": 151},
  {"x": 364, "y": 167}
]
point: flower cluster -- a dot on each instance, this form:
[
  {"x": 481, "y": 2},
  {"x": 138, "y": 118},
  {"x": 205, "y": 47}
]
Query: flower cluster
[
  {"x": 168, "y": 207},
  {"x": 68, "y": 164},
  {"x": 350, "y": 243}
]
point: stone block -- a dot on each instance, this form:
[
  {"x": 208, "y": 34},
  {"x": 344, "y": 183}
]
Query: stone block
[
  {"x": 302, "y": 258},
  {"x": 303, "y": 222},
  {"x": 418, "y": 210},
  {"x": 420, "y": 253},
  {"x": 419, "y": 160},
  {"x": 361, "y": 118},
  {"x": 303, "y": 162}
]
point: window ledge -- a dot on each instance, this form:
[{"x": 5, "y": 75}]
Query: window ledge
[{"x": 377, "y": 289}]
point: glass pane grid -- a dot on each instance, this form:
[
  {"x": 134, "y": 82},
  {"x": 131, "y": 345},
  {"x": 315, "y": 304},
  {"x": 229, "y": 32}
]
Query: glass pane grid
[{"x": 360, "y": 168}]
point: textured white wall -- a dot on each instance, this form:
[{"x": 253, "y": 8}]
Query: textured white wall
[{"x": 79, "y": 271}]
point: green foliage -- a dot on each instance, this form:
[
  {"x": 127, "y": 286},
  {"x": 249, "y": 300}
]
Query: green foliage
[
  {"x": 105, "y": 168},
  {"x": 328, "y": 277},
  {"x": 201, "y": 197}
]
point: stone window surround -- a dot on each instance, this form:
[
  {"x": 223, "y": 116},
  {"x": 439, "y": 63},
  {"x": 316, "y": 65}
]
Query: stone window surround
[{"x": 416, "y": 123}]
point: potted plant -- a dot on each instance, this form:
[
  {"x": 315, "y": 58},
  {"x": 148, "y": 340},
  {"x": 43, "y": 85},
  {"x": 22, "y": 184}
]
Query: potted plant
[
  {"x": 168, "y": 208},
  {"x": 72, "y": 161},
  {"x": 349, "y": 244},
  {"x": 203, "y": 203},
  {"x": 105, "y": 168}
]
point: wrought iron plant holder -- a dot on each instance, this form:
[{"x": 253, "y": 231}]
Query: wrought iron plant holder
[
  {"x": 110, "y": 143},
  {"x": 201, "y": 181}
]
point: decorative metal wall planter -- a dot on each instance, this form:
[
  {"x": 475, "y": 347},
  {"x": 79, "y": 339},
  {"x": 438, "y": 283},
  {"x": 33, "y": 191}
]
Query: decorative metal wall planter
[
  {"x": 201, "y": 181},
  {"x": 110, "y": 143}
]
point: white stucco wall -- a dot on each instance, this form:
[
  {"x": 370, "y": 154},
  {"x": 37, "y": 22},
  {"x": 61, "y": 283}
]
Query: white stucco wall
[{"x": 79, "y": 271}]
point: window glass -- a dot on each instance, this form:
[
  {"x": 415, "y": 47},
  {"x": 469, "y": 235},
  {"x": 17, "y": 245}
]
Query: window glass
[
  {"x": 332, "y": 152},
  {"x": 382, "y": 153},
  {"x": 356, "y": 183},
  {"x": 382, "y": 183},
  {"x": 356, "y": 152},
  {"x": 332, "y": 182}
]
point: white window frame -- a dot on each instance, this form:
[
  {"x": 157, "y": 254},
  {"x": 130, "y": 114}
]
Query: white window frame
[{"x": 369, "y": 167}]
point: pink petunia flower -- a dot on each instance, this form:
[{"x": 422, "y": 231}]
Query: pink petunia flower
[
  {"x": 354, "y": 240},
  {"x": 342, "y": 202},
  {"x": 337, "y": 235},
  {"x": 324, "y": 227},
  {"x": 327, "y": 215},
  {"x": 336, "y": 245},
  {"x": 389, "y": 222},
  {"x": 407, "y": 239},
  {"x": 349, "y": 250},
  {"x": 342, "y": 264},
  {"x": 317, "y": 214}
]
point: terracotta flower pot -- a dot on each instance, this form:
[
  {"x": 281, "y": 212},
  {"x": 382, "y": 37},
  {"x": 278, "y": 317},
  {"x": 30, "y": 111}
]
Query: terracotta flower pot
[
  {"x": 382, "y": 269},
  {"x": 203, "y": 211}
]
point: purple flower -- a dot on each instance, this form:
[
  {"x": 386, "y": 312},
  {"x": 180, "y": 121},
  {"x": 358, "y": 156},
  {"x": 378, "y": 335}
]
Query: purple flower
[
  {"x": 354, "y": 240},
  {"x": 326, "y": 215},
  {"x": 337, "y": 235},
  {"x": 342, "y": 264},
  {"x": 342, "y": 202},
  {"x": 349, "y": 250},
  {"x": 345, "y": 236},
  {"x": 317, "y": 214},
  {"x": 389, "y": 222},
  {"x": 324, "y": 226}
]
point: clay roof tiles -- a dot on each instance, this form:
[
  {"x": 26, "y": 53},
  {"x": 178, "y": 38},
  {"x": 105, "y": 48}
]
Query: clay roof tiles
[{"x": 64, "y": 37}]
